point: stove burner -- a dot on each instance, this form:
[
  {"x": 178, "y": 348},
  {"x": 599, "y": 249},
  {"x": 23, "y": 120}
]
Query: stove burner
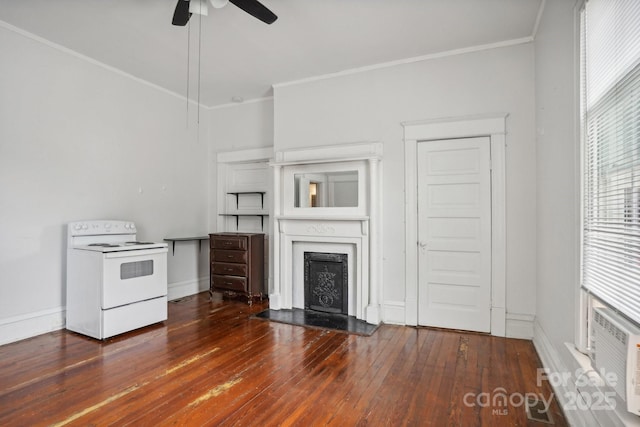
[
  {"x": 104, "y": 245},
  {"x": 138, "y": 243}
]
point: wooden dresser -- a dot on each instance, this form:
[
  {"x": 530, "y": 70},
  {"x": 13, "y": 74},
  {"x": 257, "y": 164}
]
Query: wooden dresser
[{"x": 237, "y": 263}]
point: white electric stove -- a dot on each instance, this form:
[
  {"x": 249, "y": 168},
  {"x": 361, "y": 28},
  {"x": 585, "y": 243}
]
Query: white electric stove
[{"x": 115, "y": 283}]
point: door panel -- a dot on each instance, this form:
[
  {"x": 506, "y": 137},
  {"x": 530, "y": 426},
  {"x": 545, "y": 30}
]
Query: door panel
[
  {"x": 454, "y": 268},
  {"x": 454, "y": 232},
  {"x": 443, "y": 295}
]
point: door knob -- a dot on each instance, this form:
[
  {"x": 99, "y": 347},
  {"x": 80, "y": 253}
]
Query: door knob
[{"x": 422, "y": 245}]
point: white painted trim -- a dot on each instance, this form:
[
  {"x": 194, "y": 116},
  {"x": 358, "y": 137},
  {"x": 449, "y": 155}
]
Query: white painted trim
[
  {"x": 329, "y": 153},
  {"x": 240, "y": 104},
  {"x": 24, "y": 326},
  {"x": 188, "y": 287},
  {"x": 330, "y": 232},
  {"x": 411, "y": 230},
  {"x": 120, "y": 72},
  {"x": 324, "y": 217},
  {"x": 335, "y": 226},
  {"x": 536, "y": 25},
  {"x": 449, "y": 127},
  {"x": 322, "y": 161},
  {"x": 17, "y": 328},
  {"x": 373, "y": 313},
  {"x": 241, "y": 156},
  {"x": 393, "y": 312},
  {"x": 498, "y": 232},
  {"x": 454, "y": 52},
  {"x": 92, "y": 61},
  {"x": 581, "y": 300},
  {"x": 223, "y": 161},
  {"x": 519, "y": 325},
  {"x": 275, "y": 289},
  {"x": 563, "y": 390},
  {"x": 494, "y": 126},
  {"x": 497, "y": 314}
]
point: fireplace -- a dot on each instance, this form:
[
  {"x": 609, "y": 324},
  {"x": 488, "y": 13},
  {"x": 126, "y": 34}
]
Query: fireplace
[
  {"x": 326, "y": 282},
  {"x": 334, "y": 244}
]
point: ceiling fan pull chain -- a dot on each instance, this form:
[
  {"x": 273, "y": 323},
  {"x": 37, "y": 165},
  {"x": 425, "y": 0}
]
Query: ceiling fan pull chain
[
  {"x": 199, "y": 57},
  {"x": 188, "y": 67}
]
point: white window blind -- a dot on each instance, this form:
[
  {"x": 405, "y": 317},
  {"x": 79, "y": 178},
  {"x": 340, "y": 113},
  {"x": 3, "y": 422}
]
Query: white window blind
[{"x": 610, "y": 111}]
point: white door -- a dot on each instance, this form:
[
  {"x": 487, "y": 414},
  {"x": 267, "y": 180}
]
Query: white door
[{"x": 454, "y": 234}]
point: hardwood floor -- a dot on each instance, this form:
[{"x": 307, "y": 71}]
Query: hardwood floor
[{"x": 210, "y": 364}]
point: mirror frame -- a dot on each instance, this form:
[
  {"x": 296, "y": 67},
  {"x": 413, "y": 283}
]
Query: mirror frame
[{"x": 289, "y": 189}]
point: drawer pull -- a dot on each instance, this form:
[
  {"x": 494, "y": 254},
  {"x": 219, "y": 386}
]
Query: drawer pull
[{"x": 229, "y": 256}]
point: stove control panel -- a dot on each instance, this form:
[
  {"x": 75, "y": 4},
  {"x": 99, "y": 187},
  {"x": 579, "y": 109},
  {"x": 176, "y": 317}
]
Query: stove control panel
[{"x": 97, "y": 227}]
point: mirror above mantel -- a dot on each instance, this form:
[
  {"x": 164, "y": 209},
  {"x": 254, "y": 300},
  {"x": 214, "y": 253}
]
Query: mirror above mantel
[{"x": 337, "y": 189}]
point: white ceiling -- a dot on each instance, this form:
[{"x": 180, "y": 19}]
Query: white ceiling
[{"x": 242, "y": 56}]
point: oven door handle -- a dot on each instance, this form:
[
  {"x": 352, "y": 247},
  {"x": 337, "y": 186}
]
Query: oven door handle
[{"x": 135, "y": 252}]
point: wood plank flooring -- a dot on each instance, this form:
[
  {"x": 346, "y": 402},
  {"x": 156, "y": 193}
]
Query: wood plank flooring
[{"x": 211, "y": 364}]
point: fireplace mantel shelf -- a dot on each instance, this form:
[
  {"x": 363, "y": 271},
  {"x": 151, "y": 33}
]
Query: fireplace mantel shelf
[
  {"x": 320, "y": 161},
  {"x": 322, "y": 218}
]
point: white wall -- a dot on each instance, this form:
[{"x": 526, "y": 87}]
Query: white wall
[
  {"x": 80, "y": 141},
  {"x": 558, "y": 213},
  {"x": 370, "y": 106}
]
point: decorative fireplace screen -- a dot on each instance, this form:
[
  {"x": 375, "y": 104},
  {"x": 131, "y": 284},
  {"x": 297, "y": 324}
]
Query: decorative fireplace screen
[{"x": 326, "y": 282}]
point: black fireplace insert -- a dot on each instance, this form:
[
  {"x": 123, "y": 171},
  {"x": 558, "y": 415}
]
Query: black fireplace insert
[{"x": 326, "y": 282}]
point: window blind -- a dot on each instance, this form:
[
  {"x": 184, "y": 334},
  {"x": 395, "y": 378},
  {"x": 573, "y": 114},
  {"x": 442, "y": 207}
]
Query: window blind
[{"x": 610, "y": 86}]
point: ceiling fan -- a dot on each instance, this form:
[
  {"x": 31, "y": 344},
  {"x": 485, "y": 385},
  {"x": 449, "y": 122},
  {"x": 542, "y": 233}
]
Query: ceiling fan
[{"x": 185, "y": 8}]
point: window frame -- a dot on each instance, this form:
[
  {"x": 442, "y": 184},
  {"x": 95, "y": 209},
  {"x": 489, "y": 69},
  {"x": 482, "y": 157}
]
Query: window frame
[{"x": 586, "y": 300}]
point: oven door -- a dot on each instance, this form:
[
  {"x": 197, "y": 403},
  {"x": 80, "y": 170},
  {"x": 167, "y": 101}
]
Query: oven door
[{"x": 132, "y": 276}]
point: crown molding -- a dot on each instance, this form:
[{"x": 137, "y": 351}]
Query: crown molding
[
  {"x": 536, "y": 25},
  {"x": 93, "y": 61},
  {"x": 454, "y": 52},
  {"x": 239, "y": 104}
]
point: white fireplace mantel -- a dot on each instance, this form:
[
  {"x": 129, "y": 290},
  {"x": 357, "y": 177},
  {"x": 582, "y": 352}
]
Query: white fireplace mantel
[{"x": 353, "y": 230}]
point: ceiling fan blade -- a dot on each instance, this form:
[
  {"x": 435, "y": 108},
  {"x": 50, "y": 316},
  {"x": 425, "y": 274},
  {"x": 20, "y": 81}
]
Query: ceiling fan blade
[
  {"x": 256, "y": 9},
  {"x": 181, "y": 15}
]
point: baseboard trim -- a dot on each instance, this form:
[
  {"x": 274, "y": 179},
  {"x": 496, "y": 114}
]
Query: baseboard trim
[
  {"x": 29, "y": 325},
  {"x": 393, "y": 312},
  {"x": 563, "y": 391},
  {"x": 519, "y": 325},
  {"x": 188, "y": 287}
]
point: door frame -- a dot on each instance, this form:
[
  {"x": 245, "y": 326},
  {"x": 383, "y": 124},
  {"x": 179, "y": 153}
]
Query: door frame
[{"x": 494, "y": 127}]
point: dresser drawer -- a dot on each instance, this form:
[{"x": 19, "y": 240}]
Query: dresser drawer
[
  {"x": 229, "y": 269},
  {"x": 231, "y": 283},
  {"x": 221, "y": 255},
  {"x": 229, "y": 242}
]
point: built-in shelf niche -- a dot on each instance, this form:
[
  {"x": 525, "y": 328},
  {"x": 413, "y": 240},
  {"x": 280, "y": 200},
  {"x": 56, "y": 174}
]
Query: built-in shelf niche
[
  {"x": 237, "y": 214},
  {"x": 243, "y": 191},
  {"x": 239, "y": 193}
]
